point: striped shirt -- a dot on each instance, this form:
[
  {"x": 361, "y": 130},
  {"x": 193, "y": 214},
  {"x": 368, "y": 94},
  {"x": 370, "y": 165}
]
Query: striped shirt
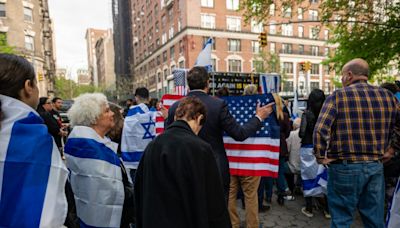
[{"x": 356, "y": 123}]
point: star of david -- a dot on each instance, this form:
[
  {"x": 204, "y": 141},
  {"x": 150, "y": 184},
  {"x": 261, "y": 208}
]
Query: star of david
[{"x": 146, "y": 126}]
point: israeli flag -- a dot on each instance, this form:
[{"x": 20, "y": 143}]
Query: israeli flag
[
  {"x": 314, "y": 175},
  {"x": 270, "y": 83},
  {"x": 295, "y": 109},
  {"x": 204, "y": 58},
  {"x": 32, "y": 173},
  {"x": 96, "y": 178},
  {"x": 393, "y": 215},
  {"x": 139, "y": 130}
]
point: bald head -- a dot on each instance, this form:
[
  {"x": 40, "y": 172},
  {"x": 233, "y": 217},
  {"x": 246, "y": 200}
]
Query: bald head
[
  {"x": 358, "y": 67},
  {"x": 355, "y": 70}
]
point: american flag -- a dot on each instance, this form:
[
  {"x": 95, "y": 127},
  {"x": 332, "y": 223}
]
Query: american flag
[
  {"x": 180, "y": 81},
  {"x": 258, "y": 155},
  {"x": 167, "y": 100}
]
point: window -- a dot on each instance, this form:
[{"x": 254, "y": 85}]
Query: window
[
  {"x": 232, "y": 4},
  {"x": 288, "y": 67},
  {"x": 205, "y": 39},
  {"x": 233, "y": 45},
  {"x": 287, "y": 11},
  {"x": 326, "y": 34},
  {"x": 182, "y": 64},
  {"x": 163, "y": 21},
  {"x": 255, "y": 47},
  {"x": 158, "y": 60},
  {"x": 300, "y": 31},
  {"x": 213, "y": 65},
  {"x": 313, "y": 1},
  {"x": 28, "y": 14},
  {"x": 157, "y": 42},
  {"x": 165, "y": 74},
  {"x": 313, "y": 15},
  {"x": 256, "y": 27},
  {"x": 171, "y": 14},
  {"x": 159, "y": 77},
  {"x": 287, "y": 29},
  {"x": 315, "y": 70},
  {"x": 2, "y": 9},
  {"x": 258, "y": 65},
  {"x": 155, "y": 10},
  {"x": 300, "y": 13},
  {"x": 326, "y": 51},
  {"x": 287, "y": 48},
  {"x": 314, "y": 33},
  {"x": 326, "y": 69},
  {"x": 327, "y": 87},
  {"x": 180, "y": 46},
  {"x": 29, "y": 43},
  {"x": 157, "y": 27},
  {"x": 272, "y": 47},
  {"x": 314, "y": 50},
  {"x": 287, "y": 86},
  {"x": 235, "y": 65},
  {"x": 301, "y": 49},
  {"x": 207, "y": 3},
  {"x": 171, "y": 32},
  {"x": 172, "y": 52},
  {"x": 272, "y": 9},
  {"x": 164, "y": 38},
  {"x": 164, "y": 56},
  {"x": 272, "y": 27},
  {"x": 233, "y": 23},
  {"x": 208, "y": 21},
  {"x": 314, "y": 85}
]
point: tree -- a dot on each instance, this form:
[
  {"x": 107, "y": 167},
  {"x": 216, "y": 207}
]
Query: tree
[
  {"x": 4, "y": 47},
  {"x": 367, "y": 29},
  {"x": 68, "y": 89}
]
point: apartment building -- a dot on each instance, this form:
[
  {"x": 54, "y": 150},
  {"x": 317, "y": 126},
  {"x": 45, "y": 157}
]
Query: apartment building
[
  {"x": 104, "y": 50},
  {"x": 92, "y": 36},
  {"x": 171, "y": 33},
  {"x": 26, "y": 26}
]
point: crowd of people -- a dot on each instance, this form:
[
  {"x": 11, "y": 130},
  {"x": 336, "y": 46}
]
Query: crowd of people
[{"x": 107, "y": 168}]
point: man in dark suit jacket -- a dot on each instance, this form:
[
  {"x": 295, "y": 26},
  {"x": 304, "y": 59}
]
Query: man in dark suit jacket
[{"x": 219, "y": 119}]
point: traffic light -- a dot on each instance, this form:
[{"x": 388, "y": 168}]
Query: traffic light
[
  {"x": 263, "y": 39},
  {"x": 40, "y": 77},
  {"x": 301, "y": 66},
  {"x": 307, "y": 66}
]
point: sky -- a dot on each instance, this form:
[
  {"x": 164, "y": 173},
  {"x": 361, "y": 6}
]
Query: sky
[{"x": 71, "y": 18}]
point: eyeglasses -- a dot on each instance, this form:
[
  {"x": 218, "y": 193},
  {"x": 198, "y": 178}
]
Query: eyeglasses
[{"x": 48, "y": 102}]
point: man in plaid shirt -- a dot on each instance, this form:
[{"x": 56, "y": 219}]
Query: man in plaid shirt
[{"x": 353, "y": 135}]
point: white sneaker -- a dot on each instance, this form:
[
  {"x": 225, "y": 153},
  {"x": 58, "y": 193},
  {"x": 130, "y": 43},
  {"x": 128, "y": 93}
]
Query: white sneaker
[
  {"x": 307, "y": 213},
  {"x": 289, "y": 198}
]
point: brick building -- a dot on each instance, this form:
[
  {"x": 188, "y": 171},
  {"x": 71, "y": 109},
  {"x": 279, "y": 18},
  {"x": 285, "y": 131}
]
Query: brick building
[
  {"x": 92, "y": 36},
  {"x": 170, "y": 33}
]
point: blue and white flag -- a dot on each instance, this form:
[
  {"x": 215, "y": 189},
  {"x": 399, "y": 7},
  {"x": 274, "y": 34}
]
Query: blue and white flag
[
  {"x": 96, "y": 178},
  {"x": 204, "y": 58},
  {"x": 393, "y": 215},
  {"x": 32, "y": 173},
  {"x": 139, "y": 129},
  {"x": 295, "y": 109},
  {"x": 314, "y": 175},
  {"x": 270, "y": 83}
]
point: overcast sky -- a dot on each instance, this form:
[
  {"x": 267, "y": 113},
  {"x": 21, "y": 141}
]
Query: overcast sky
[{"x": 71, "y": 18}]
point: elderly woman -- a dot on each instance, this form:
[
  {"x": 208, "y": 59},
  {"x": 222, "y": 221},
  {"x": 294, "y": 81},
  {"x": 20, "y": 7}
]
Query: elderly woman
[
  {"x": 177, "y": 181},
  {"x": 96, "y": 177},
  {"x": 32, "y": 173}
]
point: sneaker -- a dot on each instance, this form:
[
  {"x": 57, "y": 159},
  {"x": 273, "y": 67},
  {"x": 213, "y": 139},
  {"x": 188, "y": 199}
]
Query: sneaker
[
  {"x": 306, "y": 213},
  {"x": 289, "y": 198},
  {"x": 327, "y": 215}
]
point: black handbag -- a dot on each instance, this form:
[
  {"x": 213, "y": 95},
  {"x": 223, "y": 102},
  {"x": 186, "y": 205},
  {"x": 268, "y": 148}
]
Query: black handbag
[{"x": 128, "y": 210}]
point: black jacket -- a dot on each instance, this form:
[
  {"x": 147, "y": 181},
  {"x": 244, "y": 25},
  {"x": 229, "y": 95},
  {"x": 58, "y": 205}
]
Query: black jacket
[
  {"x": 52, "y": 125},
  {"x": 177, "y": 183},
  {"x": 219, "y": 119}
]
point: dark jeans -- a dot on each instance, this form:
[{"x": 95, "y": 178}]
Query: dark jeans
[{"x": 352, "y": 186}]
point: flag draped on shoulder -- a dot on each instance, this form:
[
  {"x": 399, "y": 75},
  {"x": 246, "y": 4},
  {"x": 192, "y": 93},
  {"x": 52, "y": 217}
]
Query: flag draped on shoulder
[
  {"x": 258, "y": 155},
  {"x": 269, "y": 83},
  {"x": 32, "y": 173},
  {"x": 204, "y": 58},
  {"x": 393, "y": 215},
  {"x": 167, "y": 101},
  {"x": 96, "y": 178},
  {"x": 314, "y": 175},
  {"x": 138, "y": 131}
]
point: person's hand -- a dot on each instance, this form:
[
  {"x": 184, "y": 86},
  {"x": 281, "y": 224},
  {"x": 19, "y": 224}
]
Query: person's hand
[
  {"x": 264, "y": 111},
  {"x": 325, "y": 161},
  {"x": 164, "y": 112},
  {"x": 389, "y": 153}
]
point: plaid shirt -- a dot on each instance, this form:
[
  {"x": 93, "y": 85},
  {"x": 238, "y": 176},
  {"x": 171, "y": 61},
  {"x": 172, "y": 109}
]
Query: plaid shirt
[{"x": 356, "y": 123}]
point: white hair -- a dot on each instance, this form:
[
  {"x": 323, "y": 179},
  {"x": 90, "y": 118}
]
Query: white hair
[{"x": 86, "y": 109}]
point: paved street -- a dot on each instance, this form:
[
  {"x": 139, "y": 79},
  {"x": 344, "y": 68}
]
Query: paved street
[{"x": 290, "y": 215}]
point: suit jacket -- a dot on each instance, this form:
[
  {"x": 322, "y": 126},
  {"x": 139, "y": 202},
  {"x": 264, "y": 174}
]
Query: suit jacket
[
  {"x": 219, "y": 119},
  {"x": 177, "y": 183}
]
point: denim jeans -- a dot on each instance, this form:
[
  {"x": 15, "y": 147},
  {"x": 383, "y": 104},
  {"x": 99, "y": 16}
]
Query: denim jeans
[{"x": 352, "y": 186}]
